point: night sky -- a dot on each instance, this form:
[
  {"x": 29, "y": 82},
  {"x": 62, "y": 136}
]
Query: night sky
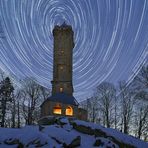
[{"x": 111, "y": 39}]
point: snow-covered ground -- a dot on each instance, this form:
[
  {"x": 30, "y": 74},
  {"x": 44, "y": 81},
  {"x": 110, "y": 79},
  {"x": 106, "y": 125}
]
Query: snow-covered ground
[{"x": 67, "y": 133}]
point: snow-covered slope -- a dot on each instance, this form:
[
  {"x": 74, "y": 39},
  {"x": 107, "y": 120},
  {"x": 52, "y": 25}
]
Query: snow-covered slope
[{"x": 68, "y": 133}]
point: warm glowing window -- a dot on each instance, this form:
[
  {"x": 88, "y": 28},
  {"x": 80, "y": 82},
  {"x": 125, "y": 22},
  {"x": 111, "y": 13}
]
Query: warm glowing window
[
  {"x": 69, "y": 111},
  {"x": 61, "y": 67},
  {"x": 57, "y": 109},
  {"x": 61, "y": 89}
]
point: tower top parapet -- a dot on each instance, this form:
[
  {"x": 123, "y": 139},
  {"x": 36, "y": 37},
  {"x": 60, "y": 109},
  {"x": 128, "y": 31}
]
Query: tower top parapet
[{"x": 62, "y": 27}]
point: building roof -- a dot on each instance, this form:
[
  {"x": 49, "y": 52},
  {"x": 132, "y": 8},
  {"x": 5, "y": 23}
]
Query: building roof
[{"x": 63, "y": 98}]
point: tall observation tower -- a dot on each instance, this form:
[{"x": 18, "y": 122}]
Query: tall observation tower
[
  {"x": 62, "y": 102},
  {"x": 63, "y": 53}
]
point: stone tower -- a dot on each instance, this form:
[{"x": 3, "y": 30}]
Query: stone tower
[
  {"x": 62, "y": 67},
  {"x": 62, "y": 102}
]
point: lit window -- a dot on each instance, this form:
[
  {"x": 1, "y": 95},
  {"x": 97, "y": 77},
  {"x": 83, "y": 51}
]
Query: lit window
[
  {"x": 61, "y": 89},
  {"x": 61, "y": 67},
  {"x": 57, "y": 109},
  {"x": 69, "y": 111}
]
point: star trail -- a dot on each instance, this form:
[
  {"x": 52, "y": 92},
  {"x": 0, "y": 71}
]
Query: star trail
[{"x": 111, "y": 39}]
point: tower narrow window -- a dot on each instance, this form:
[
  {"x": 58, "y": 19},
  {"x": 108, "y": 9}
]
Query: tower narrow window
[
  {"x": 57, "y": 109},
  {"x": 61, "y": 89},
  {"x": 61, "y": 67},
  {"x": 69, "y": 111},
  {"x": 61, "y": 52}
]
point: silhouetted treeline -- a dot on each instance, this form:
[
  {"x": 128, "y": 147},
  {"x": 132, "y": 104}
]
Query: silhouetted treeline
[
  {"x": 20, "y": 106},
  {"x": 124, "y": 107}
]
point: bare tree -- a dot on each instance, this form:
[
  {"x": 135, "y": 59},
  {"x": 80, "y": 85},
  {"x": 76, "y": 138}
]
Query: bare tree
[
  {"x": 13, "y": 112},
  {"x": 142, "y": 120},
  {"x": 18, "y": 98},
  {"x": 140, "y": 83},
  {"x": 106, "y": 95},
  {"x": 116, "y": 115},
  {"x": 91, "y": 105},
  {"x": 93, "y": 108},
  {"x": 126, "y": 104},
  {"x": 140, "y": 88},
  {"x": 44, "y": 93},
  {"x": 18, "y": 115},
  {"x": 31, "y": 93}
]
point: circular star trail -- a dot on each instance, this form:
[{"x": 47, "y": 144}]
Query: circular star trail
[{"x": 111, "y": 39}]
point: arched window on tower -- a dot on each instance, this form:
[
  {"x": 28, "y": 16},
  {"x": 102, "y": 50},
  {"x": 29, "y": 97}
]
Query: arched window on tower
[
  {"x": 61, "y": 72},
  {"x": 57, "y": 109},
  {"x": 69, "y": 111},
  {"x": 61, "y": 89}
]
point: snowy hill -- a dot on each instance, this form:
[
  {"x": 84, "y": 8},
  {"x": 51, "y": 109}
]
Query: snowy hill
[{"x": 67, "y": 133}]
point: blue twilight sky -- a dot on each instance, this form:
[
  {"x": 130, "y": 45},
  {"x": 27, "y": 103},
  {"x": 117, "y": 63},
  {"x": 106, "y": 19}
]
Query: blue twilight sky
[{"x": 111, "y": 39}]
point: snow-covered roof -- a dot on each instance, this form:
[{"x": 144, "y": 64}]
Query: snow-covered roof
[{"x": 63, "y": 98}]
